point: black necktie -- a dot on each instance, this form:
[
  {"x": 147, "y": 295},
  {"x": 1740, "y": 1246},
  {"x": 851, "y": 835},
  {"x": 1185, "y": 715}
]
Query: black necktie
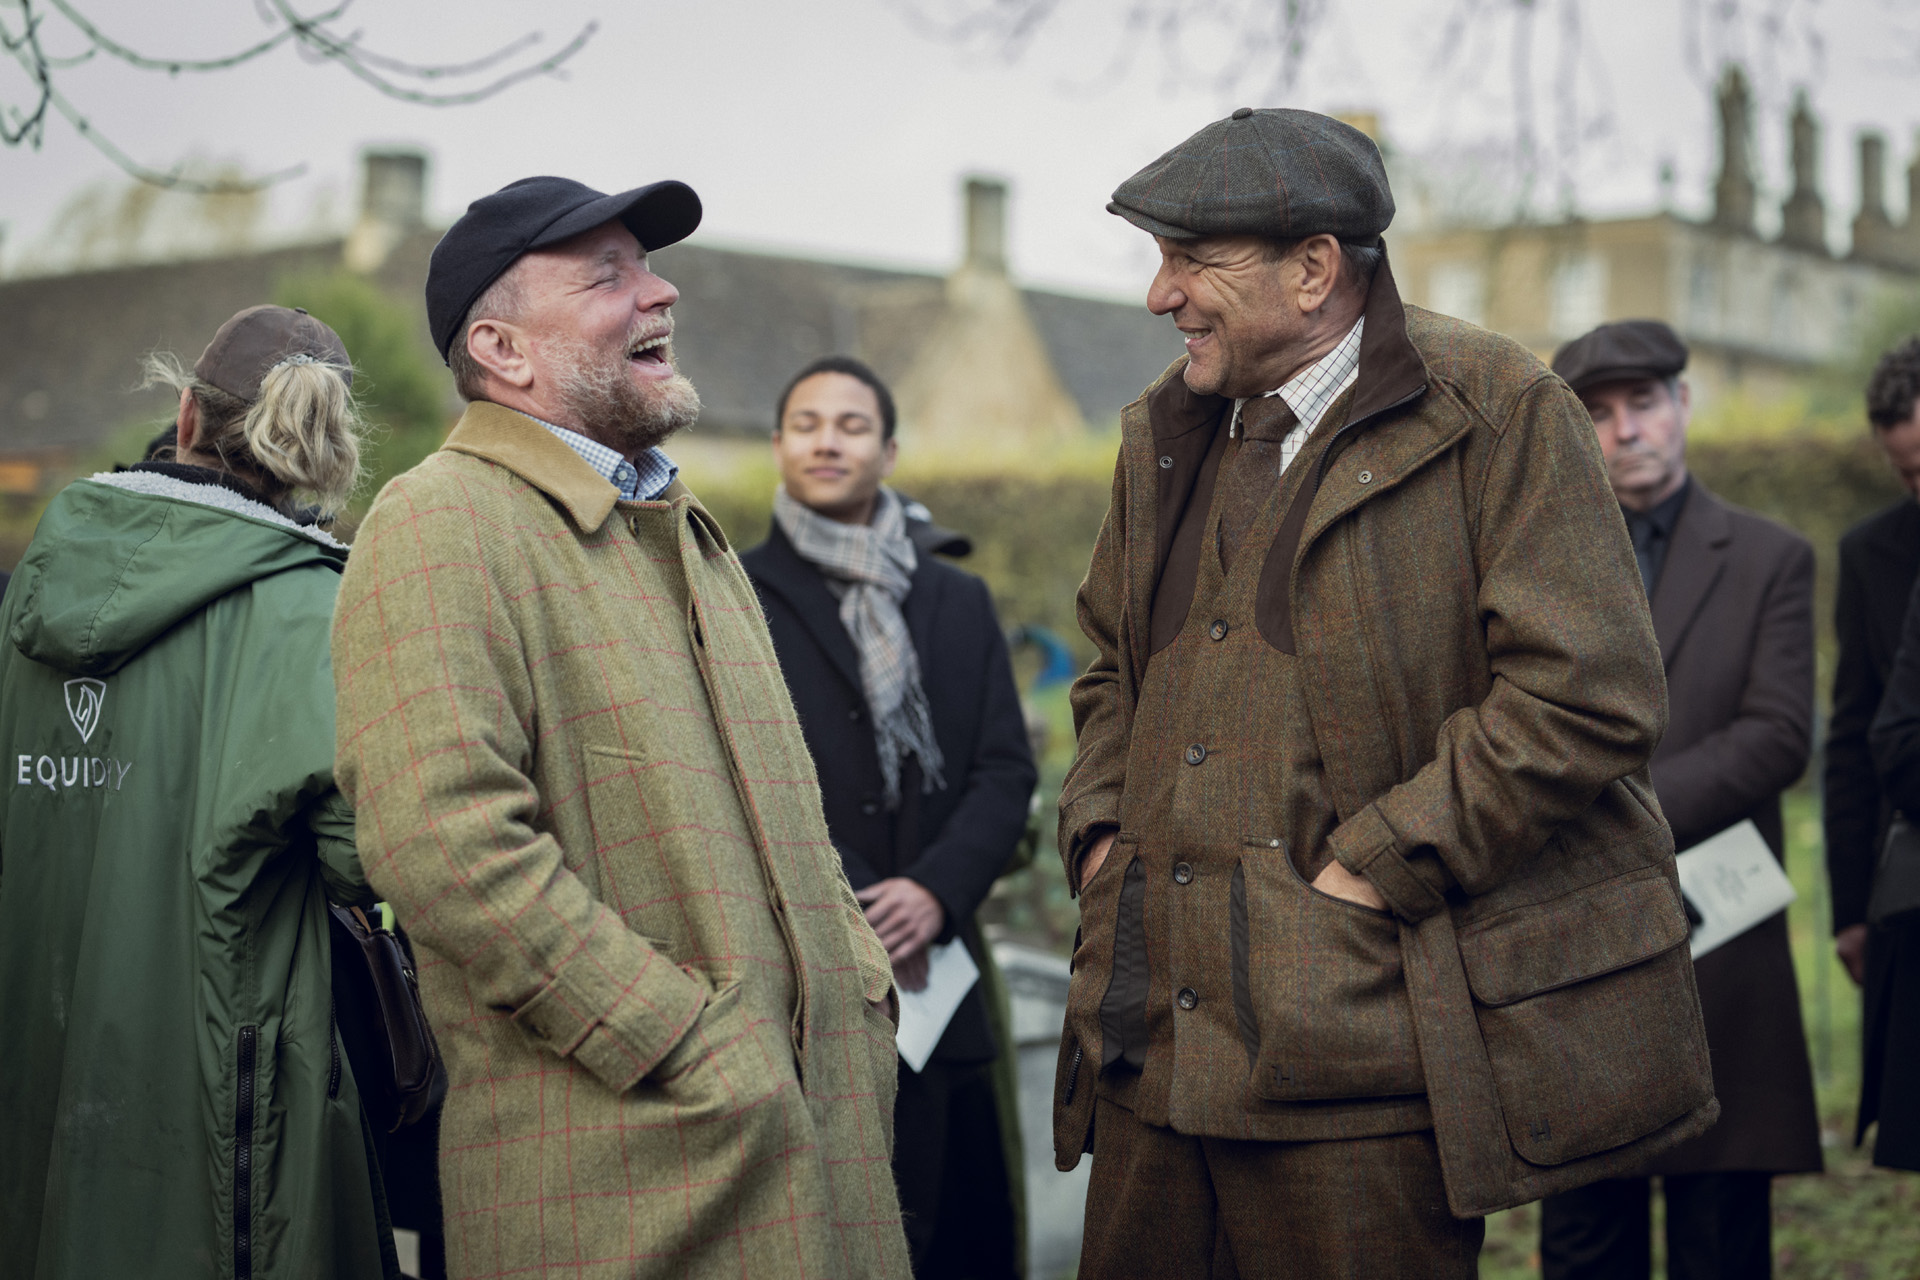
[{"x": 1646, "y": 537}]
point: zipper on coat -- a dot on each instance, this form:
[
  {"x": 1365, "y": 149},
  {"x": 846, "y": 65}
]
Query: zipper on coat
[
  {"x": 243, "y": 1155},
  {"x": 1073, "y": 1076},
  {"x": 333, "y": 1047}
]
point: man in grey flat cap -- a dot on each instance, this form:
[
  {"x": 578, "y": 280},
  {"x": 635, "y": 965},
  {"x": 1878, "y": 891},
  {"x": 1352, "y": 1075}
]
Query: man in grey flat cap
[{"x": 1379, "y": 924}]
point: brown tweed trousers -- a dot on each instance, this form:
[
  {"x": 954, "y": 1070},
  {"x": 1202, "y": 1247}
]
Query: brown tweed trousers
[
  {"x": 579, "y": 779},
  {"x": 1480, "y": 683}
]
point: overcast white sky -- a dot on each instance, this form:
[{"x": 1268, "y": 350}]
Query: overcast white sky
[{"x": 838, "y": 128}]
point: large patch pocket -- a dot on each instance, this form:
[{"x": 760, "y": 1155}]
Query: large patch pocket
[
  {"x": 1590, "y": 1018},
  {"x": 1319, "y": 988}
]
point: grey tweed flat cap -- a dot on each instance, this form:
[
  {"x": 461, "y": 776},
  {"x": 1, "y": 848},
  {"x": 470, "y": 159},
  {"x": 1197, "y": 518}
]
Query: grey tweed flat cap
[{"x": 1273, "y": 172}]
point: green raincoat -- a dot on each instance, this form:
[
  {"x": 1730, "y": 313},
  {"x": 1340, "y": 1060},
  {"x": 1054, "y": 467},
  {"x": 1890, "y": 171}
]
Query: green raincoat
[{"x": 173, "y": 1098}]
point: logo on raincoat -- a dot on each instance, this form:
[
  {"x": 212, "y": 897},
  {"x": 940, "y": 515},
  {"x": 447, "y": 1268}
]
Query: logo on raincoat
[{"x": 85, "y": 696}]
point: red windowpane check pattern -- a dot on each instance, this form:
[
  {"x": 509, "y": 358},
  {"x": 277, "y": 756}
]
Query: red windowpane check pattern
[{"x": 580, "y": 781}]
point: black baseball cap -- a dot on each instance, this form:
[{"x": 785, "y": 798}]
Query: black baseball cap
[{"x": 531, "y": 214}]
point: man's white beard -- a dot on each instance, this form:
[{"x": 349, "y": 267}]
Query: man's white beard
[{"x": 603, "y": 398}]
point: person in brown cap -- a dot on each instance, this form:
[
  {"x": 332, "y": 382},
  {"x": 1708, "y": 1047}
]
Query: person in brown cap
[
  {"x": 177, "y": 1099},
  {"x": 1380, "y": 930},
  {"x": 581, "y": 783},
  {"x": 1732, "y": 600}
]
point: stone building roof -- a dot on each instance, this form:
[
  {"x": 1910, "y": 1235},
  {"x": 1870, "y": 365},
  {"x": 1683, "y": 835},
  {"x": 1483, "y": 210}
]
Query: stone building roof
[{"x": 70, "y": 345}]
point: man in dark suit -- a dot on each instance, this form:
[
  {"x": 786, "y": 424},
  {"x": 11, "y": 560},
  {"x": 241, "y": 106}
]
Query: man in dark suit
[
  {"x": 1732, "y": 601},
  {"x": 905, "y": 693},
  {"x": 1879, "y": 561}
]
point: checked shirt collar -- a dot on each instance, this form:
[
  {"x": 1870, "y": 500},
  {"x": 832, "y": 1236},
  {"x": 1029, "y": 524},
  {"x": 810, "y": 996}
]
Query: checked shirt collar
[
  {"x": 1312, "y": 391},
  {"x": 646, "y": 482}
]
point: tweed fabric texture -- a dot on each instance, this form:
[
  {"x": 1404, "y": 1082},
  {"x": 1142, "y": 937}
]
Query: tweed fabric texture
[
  {"x": 870, "y": 568},
  {"x": 1161, "y": 1203},
  {"x": 1272, "y": 1011},
  {"x": 1276, "y": 172},
  {"x": 1484, "y": 690},
  {"x": 579, "y": 779}
]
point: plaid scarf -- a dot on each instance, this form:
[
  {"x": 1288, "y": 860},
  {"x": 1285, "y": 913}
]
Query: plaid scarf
[{"x": 870, "y": 568}]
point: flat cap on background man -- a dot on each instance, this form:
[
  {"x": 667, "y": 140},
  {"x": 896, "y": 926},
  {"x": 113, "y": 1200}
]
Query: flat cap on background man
[
  {"x": 1275, "y": 172},
  {"x": 1625, "y": 351}
]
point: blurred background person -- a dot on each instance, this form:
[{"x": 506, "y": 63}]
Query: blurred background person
[
  {"x": 1879, "y": 561},
  {"x": 174, "y": 1099},
  {"x": 900, "y": 674},
  {"x": 1732, "y": 600}
]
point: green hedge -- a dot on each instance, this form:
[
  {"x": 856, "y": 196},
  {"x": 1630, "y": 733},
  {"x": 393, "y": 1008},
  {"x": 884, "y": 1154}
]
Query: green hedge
[{"x": 1033, "y": 530}]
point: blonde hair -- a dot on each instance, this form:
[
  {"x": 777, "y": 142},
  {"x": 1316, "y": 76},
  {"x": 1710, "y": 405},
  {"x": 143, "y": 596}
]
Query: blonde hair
[{"x": 302, "y": 432}]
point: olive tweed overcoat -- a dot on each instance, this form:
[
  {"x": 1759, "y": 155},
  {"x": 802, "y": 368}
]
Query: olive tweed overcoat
[
  {"x": 1484, "y": 690},
  {"x": 579, "y": 779}
]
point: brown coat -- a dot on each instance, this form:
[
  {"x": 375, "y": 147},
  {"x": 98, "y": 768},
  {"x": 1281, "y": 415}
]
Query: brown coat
[
  {"x": 579, "y": 780},
  {"x": 1733, "y": 610},
  {"x": 1483, "y": 684}
]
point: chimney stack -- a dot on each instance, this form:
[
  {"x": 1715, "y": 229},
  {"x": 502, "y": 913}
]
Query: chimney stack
[
  {"x": 1873, "y": 234},
  {"x": 1733, "y": 193},
  {"x": 393, "y": 205},
  {"x": 986, "y": 211},
  {"x": 1803, "y": 218}
]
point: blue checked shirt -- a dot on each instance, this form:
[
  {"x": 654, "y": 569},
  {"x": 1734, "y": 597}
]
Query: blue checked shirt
[
  {"x": 1312, "y": 391},
  {"x": 646, "y": 482}
]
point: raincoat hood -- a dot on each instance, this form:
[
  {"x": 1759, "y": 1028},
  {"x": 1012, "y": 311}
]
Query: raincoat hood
[{"x": 122, "y": 557}]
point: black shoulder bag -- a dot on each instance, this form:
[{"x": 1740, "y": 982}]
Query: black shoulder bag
[
  {"x": 382, "y": 1026},
  {"x": 1895, "y": 898}
]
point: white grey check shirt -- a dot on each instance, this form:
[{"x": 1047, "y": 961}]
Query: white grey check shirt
[
  {"x": 1312, "y": 391},
  {"x": 646, "y": 482}
]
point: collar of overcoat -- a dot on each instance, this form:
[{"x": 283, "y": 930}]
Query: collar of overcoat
[
  {"x": 778, "y": 567},
  {"x": 523, "y": 446},
  {"x": 1391, "y": 376},
  {"x": 1695, "y": 559}
]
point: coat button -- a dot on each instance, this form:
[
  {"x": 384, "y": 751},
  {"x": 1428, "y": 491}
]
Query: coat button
[
  {"x": 853, "y": 714},
  {"x": 869, "y": 805},
  {"x": 1183, "y": 873},
  {"x": 1196, "y": 753},
  {"x": 1187, "y": 998},
  {"x": 1366, "y": 477},
  {"x": 1166, "y": 462},
  {"x": 1219, "y": 629}
]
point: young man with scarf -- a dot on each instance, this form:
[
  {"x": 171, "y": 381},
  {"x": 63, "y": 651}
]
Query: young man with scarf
[{"x": 906, "y": 697}]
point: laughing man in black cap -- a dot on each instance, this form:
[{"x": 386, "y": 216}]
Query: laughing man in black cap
[
  {"x": 580, "y": 780},
  {"x": 1370, "y": 874}
]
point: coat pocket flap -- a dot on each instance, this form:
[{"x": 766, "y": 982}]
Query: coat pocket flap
[{"x": 1595, "y": 930}]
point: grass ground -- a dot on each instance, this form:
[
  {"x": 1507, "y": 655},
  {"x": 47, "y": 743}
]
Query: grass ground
[{"x": 1854, "y": 1222}]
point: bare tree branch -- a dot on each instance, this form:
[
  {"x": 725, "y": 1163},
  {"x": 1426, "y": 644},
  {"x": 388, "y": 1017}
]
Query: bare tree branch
[{"x": 315, "y": 35}]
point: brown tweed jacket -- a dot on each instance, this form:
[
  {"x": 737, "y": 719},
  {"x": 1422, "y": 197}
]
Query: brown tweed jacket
[
  {"x": 1482, "y": 681},
  {"x": 581, "y": 783}
]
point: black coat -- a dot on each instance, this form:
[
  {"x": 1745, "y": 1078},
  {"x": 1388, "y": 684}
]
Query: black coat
[
  {"x": 955, "y": 841},
  {"x": 1733, "y": 611},
  {"x": 1879, "y": 562}
]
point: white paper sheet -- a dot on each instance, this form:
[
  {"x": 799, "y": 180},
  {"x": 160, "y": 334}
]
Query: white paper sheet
[
  {"x": 1734, "y": 882},
  {"x": 924, "y": 1014}
]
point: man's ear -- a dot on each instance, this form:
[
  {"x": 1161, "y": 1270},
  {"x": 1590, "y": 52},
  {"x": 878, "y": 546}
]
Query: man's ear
[
  {"x": 1317, "y": 264},
  {"x": 889, "y": 455},
  {"x": 500, "y": 348}
]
